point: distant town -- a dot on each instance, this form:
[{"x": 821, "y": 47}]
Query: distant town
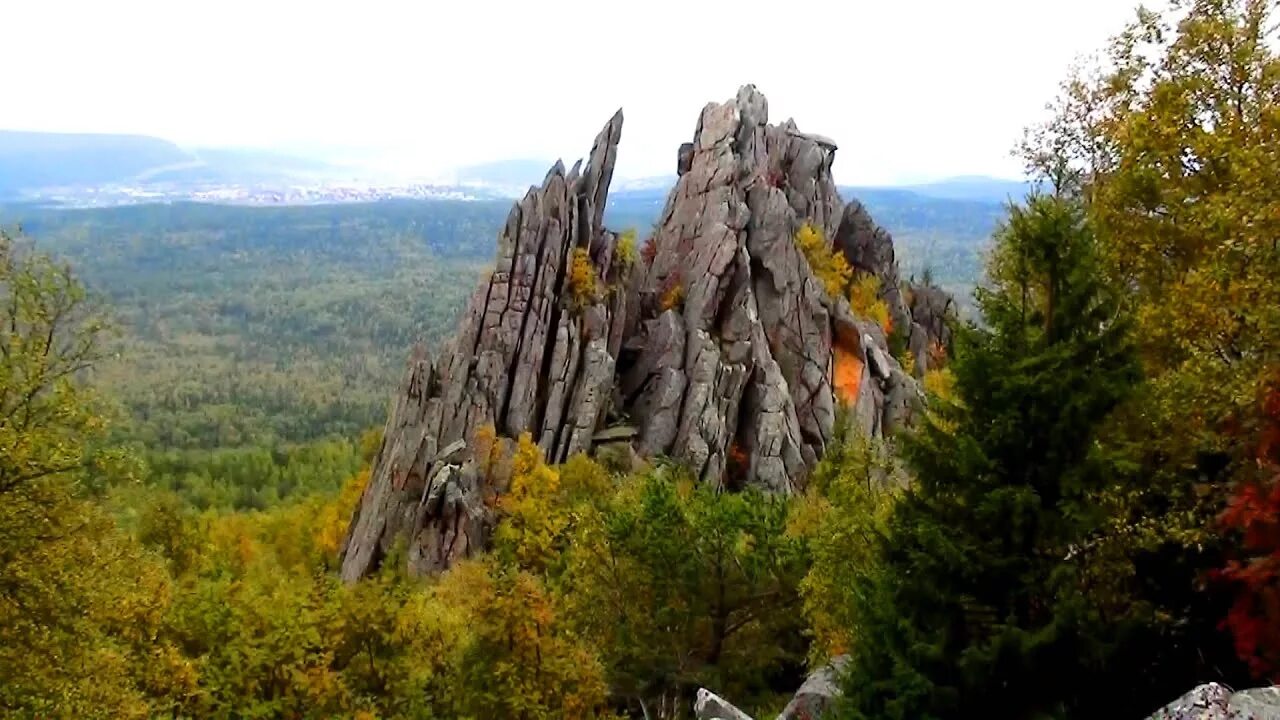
[{"x": 318, "y": 193}]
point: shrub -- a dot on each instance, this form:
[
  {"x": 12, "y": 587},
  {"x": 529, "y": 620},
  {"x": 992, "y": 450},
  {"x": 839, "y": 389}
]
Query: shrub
[
  {"x": 937, "y": 354},
  {"x": 625, "y": 251},
  {"x": 849, "y": 500},
  {"x": 908, "y": 362},
  {"x": 940, "y": 382},
  {"x": 650, "y": 249},
  {"x": 582, "y": 280},
  {"x": 829, "y": 266},
  {"x": 865, "y": 300},
  {"x": 737, "y": 464},
  {"x": 1253, "y": 515},
  {"x": 671, "y": 295}
]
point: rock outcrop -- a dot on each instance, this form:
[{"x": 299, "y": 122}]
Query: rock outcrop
[
  {"x": 709, "y": 706},
  {"x": 1215, "y": 702},
  {"x": 714, "y": 344},
  {"x": 817, "y": 696},
  {"x": 813, "y": 701}
]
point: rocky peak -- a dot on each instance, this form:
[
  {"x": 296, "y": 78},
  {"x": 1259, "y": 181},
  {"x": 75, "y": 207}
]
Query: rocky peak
[{"x": 715, "y": 344}]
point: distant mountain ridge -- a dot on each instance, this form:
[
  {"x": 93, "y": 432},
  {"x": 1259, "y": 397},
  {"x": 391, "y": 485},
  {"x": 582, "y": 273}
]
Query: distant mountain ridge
[
  {"x": 980, "y": 188},
  {"x": 34, "y": 159},
  {"x": 34, "y": 162}
]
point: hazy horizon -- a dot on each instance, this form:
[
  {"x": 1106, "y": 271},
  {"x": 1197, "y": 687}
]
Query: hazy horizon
[{"x": 420, "y": 90}]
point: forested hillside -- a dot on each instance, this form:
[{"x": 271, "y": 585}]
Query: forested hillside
[{"x": 253, "y": 326}]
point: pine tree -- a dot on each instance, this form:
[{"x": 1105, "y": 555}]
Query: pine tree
[{"x": 975, "y": 612}]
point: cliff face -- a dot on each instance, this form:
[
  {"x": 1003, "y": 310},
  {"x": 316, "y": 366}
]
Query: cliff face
[{"x": 714, "y": 344}]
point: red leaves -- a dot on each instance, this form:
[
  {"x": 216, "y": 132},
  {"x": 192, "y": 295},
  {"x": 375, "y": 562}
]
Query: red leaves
[
  {"x": 650, "y": 249},
  {"x": 737, "y": 463},
  {"x": 1253, "y": 512}
]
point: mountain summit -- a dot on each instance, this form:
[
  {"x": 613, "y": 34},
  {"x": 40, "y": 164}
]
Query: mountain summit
[{"x": 715, "y": 344}]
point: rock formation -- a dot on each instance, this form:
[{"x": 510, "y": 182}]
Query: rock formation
[
  {"x": 818, "y": 695},
  {"x": 1215, "y": 702},
  {"x": 714, "y": 344},
  {"x": 815, "y": 699}
]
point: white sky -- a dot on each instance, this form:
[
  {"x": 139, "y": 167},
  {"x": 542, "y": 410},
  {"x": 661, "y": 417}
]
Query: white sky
[{"x": 909, "y": 90}]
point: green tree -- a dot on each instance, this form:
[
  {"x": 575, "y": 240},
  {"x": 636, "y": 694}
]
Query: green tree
[
  {"x": 81, "y": 603},
  {"x": 975, "y": 595},
  {"x": 679, "y": 586},
  {"x": 1173, "y": 142},
  {"x": 846, "y": 508}
]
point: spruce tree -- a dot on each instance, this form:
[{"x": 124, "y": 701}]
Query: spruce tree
[{"x": 975, "y": 612}]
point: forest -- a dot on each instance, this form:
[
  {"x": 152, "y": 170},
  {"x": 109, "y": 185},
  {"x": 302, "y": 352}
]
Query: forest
[{"x": 1084, "y": 524}]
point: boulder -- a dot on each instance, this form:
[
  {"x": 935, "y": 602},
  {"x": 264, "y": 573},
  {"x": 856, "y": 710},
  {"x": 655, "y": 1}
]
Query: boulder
[
  {"x": 1216, "y": 702},
  {"x": 818, "y": 693},
  {"x": 709, "y": 706},
  {"x": 684, "y": 158}
]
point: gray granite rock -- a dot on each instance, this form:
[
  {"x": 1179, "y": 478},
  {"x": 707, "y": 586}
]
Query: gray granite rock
[
  {"x": 523, "y": 360},
  {"x": 709, "y": 706},
  {"x": 1216, "y": 702},
  {"x": 719, "y": 345},
  {"x": 817, "y": 696}
]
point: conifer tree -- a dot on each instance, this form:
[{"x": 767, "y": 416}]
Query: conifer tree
[{"x": 976, "y": 595}]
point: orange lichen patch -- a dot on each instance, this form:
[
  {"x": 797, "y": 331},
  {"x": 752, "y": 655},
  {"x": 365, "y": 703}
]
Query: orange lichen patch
[{"x": 846, "y": 375}]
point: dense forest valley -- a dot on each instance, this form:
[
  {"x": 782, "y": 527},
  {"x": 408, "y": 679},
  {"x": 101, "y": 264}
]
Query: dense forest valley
[
  {"x": 248, "y": 338},
  {"x": 1082, "y": 522}
]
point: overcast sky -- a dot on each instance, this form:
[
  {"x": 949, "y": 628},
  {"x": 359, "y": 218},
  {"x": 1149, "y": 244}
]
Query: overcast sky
[{"x": 909, "y": 90}]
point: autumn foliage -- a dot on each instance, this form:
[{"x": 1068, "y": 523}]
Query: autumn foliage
[
  {"x": 839, "y": 279},
  {"x": 829, "y": 266},
  {"x": 582, "y": 280},
  {"x": 625, "y": 251},
  {"x": 671, "y": 294},
  {"x": 650, "y": 249},
  {"x": 865, "y": 300},
  {"x": 1254, "y": 514}
]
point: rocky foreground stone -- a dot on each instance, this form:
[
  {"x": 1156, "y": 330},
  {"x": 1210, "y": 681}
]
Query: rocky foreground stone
[
  {"x": 1215, "y": 702},
  {"x": 814, "y": 700},
  {"x": 714, "y": 343},
  {"x": 820, "y": 692}
]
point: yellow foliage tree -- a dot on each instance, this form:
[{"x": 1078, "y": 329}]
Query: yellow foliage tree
[
  {"x": 582, "y": 280},
  {"x": 829, "y": 266},
  {"x": 847, "y": 505},
  {"x": 534, "y": 522},
  {"x": 625, "y": 252},
  {"x": 865, "y": 301},
  {"x": 940, "y": 382},
  {"x": 519, "y": 661},
  {"x": 82, "y": 604},
  {"x": 333, "y": 517}
]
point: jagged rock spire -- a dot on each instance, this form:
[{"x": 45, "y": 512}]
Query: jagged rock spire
[{"x": 719, "y": 345}]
